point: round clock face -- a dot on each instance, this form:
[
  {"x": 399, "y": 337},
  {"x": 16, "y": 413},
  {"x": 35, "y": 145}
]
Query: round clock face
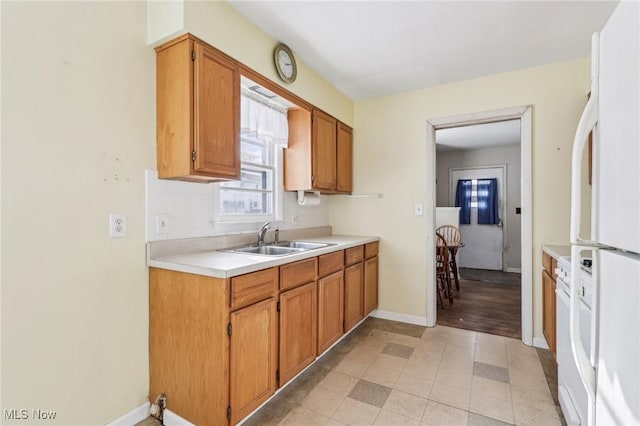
[{"x": 285, "y": 63}]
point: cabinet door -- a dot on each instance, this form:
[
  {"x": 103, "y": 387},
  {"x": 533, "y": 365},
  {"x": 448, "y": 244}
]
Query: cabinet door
[
  {"x": 253, "y": 357},
  {"x": 298, "y": 328},
  {"x": 330, "y": 310},
  {"x": 370, "y": 285},
  {"x": 549, "y": 310},
  {"x": 353, "y": 309},
  {"x": 344, "y": 160},
  {"x": 216, "y": 114},
  {"x": 323, "y": 151}
]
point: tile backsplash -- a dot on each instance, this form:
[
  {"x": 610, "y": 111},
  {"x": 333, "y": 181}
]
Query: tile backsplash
[{"x": 190, "y": 210}]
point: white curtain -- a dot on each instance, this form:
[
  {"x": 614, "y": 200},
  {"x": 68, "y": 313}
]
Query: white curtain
[{"x": 264, "y": 121}]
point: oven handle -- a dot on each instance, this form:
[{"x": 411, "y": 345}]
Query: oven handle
[{"x": 586, "y": 370}]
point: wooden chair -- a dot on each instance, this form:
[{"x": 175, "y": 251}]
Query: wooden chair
[
  {"x": 443, "y": 276},
  {"x": 453, "y": 238}
]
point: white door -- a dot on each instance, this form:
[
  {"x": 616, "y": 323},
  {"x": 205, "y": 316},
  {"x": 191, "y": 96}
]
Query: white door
[{"x": 483, "y": 244}]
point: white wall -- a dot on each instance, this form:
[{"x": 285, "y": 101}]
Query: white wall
[
  {"x": 390, "y": 157},
  {"x": 190, "y": 207},
  {"x": 78, "y": 115},
  {"x": 509, "y": 155}
]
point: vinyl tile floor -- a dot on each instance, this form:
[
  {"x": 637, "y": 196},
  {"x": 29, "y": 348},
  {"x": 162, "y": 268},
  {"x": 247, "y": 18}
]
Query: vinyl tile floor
[{"x": 389, "y": 373}]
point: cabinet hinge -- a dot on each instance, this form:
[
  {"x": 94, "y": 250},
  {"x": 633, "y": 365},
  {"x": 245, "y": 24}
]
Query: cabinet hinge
[
  {"x": 193, "y": 155},
  {"x": 229, "y": 329},
  {"x": 229, "y": 412},
  {"x": 193, "y": 54},
  {"x": 313, "y": 178},
  {"x": 277, "y": 375},
  {"x": 278, "y": 306}
]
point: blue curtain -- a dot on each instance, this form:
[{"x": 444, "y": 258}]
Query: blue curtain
[
  {"x": 463, "y": 200},
  {"x": 488, "y": 202}
]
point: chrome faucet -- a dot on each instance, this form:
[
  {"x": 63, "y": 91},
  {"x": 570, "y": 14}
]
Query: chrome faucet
[{"x": 263, "y": 231}]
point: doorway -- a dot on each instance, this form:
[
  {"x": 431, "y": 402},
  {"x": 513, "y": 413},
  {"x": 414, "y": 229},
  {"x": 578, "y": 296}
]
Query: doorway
[{"x": 523, "y": 114}]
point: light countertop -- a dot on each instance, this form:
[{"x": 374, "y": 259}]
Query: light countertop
[
  {"x": 220, "y": 264},
  {"x": 556, "y": 251}
]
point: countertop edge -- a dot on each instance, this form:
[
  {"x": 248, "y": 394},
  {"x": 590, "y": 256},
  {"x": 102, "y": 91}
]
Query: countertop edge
[
  {"x": 556, "y": 250},
  {"x": 254, "y": 263}
]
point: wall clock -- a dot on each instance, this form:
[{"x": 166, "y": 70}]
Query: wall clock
[{"x": 285, "y": 63}]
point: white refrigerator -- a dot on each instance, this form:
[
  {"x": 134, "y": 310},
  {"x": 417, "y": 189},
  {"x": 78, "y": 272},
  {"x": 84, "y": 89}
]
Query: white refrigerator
[{"x": 611, "y": 372}]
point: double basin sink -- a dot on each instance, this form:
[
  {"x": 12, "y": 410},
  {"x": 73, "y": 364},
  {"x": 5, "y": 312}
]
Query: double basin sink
[{"x": 282, "y": 248}]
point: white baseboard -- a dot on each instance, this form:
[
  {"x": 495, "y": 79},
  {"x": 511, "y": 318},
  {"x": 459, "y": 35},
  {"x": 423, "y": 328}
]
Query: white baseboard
[
  {"x": 516, "y": 270},
  {"x": 172, "y": 419},
  {"x": 132, "y": 417},
  {"x": 540, "y": 342},
  {"x": 394, "y": 316}
]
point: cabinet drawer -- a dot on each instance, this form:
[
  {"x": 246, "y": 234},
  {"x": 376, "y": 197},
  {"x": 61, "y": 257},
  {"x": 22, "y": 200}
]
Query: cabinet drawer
[
  {"x": 546, "y": 263},
  {"x": 250, "y": 288},
  {"x": 332, "y": 262},
  {"x": 353, "y": 255},
  {"x": 371, "y": 249},
  {"x": 296, "y": 273}
]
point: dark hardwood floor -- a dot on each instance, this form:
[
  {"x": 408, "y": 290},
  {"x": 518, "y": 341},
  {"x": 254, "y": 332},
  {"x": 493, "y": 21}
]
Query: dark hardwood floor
[{"x": 485, "y": 306}]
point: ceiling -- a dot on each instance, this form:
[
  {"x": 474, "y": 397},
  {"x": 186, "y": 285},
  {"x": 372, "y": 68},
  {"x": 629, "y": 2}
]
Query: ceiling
[
  {"x": 486, "y": 135},
  {"x": 373, "y": 48}
]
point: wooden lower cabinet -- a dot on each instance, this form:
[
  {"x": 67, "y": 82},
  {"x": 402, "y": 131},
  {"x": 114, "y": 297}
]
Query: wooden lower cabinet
[
  {"x": 253, "y": 356},
  {"x": 298, "y": 330},
  {"x": 189, "y": 344},
  {"x": 330, "y": 310},
  {"x": 549, "y": 310},
  {"x": 353, "y": 286},
  {"x": 370, "y": 285},
  {"x": 216, "y": 345}
]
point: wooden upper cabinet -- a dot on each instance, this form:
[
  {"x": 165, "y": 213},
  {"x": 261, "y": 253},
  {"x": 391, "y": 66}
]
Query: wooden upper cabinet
[
  {"x": 344, "y": 166},
  {"x": 198, "y": 112},
  {"x": 320, "y": 153},
  {"x": 323, "y": 152}
]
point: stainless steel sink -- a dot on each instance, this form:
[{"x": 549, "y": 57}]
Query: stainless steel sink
[
  {"x": 282, "y": 248},
  {"x": 305, "y": 245},
  {"x": 267, "y": 250}
]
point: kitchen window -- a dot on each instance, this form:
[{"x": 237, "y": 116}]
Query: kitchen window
[
  {"x": 257, "y": 196},
  {"x": 254, "y": 196}
]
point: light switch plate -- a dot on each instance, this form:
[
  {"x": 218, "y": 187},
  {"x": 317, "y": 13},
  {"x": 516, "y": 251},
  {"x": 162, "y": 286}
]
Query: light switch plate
[
  {"x": 162, "y": 224},
  {"x": 418, "y": 209}
]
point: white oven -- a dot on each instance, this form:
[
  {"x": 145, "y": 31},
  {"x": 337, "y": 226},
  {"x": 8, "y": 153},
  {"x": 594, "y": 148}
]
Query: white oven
[{"x": 572, "y": 394}]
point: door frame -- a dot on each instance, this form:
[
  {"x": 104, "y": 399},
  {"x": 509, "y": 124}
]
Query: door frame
[
  {"x": 524, "y": 114},
  {"x": 503, "y": 204}
]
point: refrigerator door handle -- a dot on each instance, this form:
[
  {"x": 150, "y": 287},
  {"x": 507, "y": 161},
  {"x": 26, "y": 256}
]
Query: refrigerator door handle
[
  {"x": 586, "y": 124},
  {"x": 586, "y": 371}
]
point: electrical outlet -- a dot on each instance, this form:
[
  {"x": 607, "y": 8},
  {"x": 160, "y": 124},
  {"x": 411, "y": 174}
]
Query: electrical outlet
[
  {"x": 162, "y": 224},
  {"x": 117, "y": 225},
  {"x": 295, "y": 218}
]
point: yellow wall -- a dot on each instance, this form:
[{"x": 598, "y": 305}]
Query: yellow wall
[
  {"x": 390, "y": 157},
  {"x": 78, "y": 92},
  {"x": 220, "y": 25},
  {"x": 78, "y": 108}
]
